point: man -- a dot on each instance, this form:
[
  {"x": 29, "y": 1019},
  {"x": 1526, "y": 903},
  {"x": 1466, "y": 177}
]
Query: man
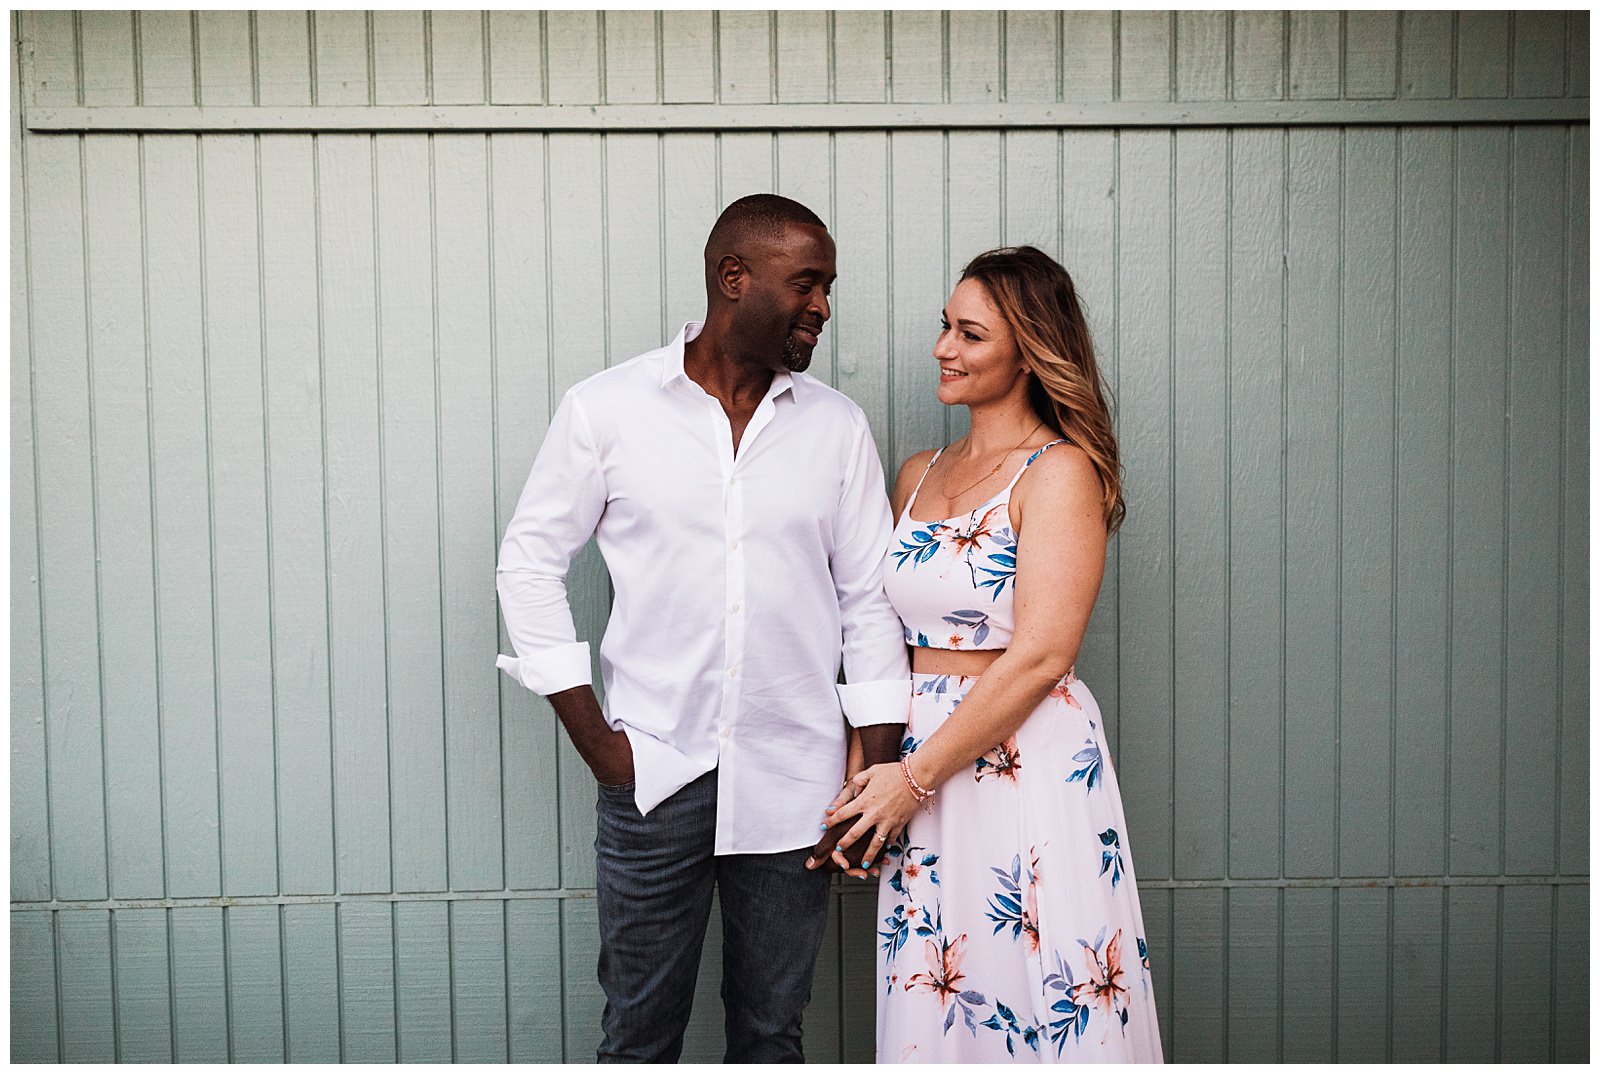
[{"x": 740, "y": 508}]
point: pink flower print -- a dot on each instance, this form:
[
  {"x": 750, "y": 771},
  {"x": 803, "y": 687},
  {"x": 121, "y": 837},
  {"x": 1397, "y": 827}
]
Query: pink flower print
[
  {"x": 1004, "y": 761},
  {"x": 944, "y": 974},
  {"x": 1063, "y": 690},
  {"x": 1104, "y": 986}
]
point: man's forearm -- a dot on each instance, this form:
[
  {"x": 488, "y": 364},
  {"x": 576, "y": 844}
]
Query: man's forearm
[
  {"x": 880, "y": 743},
  {"x": 605, "y": 751}
]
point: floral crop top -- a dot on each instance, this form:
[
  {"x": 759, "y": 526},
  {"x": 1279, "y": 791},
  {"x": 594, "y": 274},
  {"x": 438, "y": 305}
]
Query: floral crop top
[{"x": 953, "y": 579}]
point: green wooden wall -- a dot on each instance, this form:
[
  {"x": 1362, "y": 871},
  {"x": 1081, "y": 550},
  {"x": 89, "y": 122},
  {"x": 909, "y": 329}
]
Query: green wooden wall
[{"x": 292, "y": 295}]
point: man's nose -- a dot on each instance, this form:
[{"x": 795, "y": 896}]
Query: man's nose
[{"x": 819, "y": 302}]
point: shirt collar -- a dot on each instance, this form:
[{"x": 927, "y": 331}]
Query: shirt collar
[{"x": 672, "y": 365}]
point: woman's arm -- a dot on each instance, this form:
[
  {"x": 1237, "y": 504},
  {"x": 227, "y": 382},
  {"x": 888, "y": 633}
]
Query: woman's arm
[{"x": 1061, "y": 553}]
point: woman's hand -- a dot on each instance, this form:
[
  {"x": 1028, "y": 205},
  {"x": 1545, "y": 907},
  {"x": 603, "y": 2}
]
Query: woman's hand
[{"x": 878, "y": 798}]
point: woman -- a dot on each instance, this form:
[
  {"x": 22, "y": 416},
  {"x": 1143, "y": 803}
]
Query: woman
[{"x": 1010, "y": 922}]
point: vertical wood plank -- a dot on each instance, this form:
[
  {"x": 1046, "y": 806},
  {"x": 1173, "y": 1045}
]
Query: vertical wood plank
[
  {"x": 577, "y": 348},
  {"x": 1199, "y": 499},
  {"x": 688, "y": 42},
  {"x": 1033, "y": 55},
  {"x": 1416, "y": 987},
  {"x": 340, "y": 54},
  {"x": 399, "y": 58},
  {"x": 34, "y": 1014},
  {"x": 975, "y": 221},
  {"x": 523, "y": 401},
  {"x": 916, "y": 280},
  {"x": 974, "y": 55},
  {"x": 185, "y": 569},
  {"x": 1145, "y": 552},
  {"x": 633, "y": 182},
  {"x": 1254, "y": 1003},
  {"x": 1526, "y": 966},
  {"x": 581, "y": 998},
  {"x": 456, "y": 57},
  {"x": 1258, "y": 55},
  {"x": 1422, "y": 448},
  {"x": 1478, "y": 504},
  {"x": 572, "y": 55},
  {"x": 84, "y": 987},
  {"x": 246, "y": 723},
  {"x": 293, "y": 397},
  {"x": 1571, "y": 957},
  {"x": 478, "y": 980},
  {"x": 1307, "y": 975},
  {"x": 861, "y": 312},
  {"x": 1573, "y": 816},
  {"x": 166, "y": 58},
  {"x": 630, "y": 56},
  {"x": 1145, "y": 54},
  {"x": 690, "y": 206},
  {"x": 410, "y": 378},
  {"x": 516, "y": 57},
  {"x": 223, "y": 41},
  {"x": 367, "y": 998},
  {"x": 746, "y": 161},
  {"x": 1255, "y": 410},
  {"x": 1366, "y": 497},
  {"x": 744, "y": 56},
  {"x": 199, "y": 986},
  {"x": 1370, "y": 60},
  {"x": 916, "y": 56},
  {"x": 1032, "y": 174},
  {"x": 1157, "y": 906},
  {"x": 1311, "y": 462},
  {"x": 255, "y": 984},
  {"x": 1483, "y": 53},
  {"x": 1539, "y": 53},
  {"x": 804, "y": 172},
  {"x": 106, "y": 45},
  {"x": 1363, "y": 974},
  {"x": 1472, "y": 932},
  {"x": 858, "y": 985},
  {"x": 283, "y": 57},
  {"x": 801, "y": 56},
  {"x": 1533, "y": 539},
  {"x": 50, "y": 58},
  {"x": 860, "y": 59},
  {"x": 1577, "y": 54},
  {"x": 1088, "y": 252},
  {"x": 1088, "y": 55},
  {"x": 422, "y": 993},
  {"x": 29, "y": 799},
  {"x": 470, "y": 542},
  {"x": 311, "y": 983},
  {"x": 1199, "y": 938},
  {"x": 67, "y": 538},
  {"x": 354, "y": 496},
  {"x": 1202, "y": 56},
  {"x": 141, "y": 969},
  {"x": 1427, "y": 47},
  {"x": 534, "y": 981},
  {"x": 122, "y": 484},
  {"x": 1314, "y": 55}
]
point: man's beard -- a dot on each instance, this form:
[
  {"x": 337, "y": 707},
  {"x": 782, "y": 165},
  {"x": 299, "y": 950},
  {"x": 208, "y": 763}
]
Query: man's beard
[{"x": 792, "y": 359}]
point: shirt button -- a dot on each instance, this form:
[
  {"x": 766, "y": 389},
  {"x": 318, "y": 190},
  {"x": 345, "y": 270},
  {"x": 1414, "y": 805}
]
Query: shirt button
[
  {"x": 727, "y": 732},
  {"x": 734, "y": 609},
  {"x": 734, "y": 544},
  {"x": 733, "y": 673}
]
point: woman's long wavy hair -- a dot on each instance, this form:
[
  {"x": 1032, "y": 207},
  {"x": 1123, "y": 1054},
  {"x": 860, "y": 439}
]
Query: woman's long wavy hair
[{"x": 1038, "y": 301}]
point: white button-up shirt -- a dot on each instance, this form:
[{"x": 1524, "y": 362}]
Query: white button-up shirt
[{"x": 740, "y": 583}]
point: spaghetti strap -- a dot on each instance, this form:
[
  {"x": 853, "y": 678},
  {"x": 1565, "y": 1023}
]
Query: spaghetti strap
[
  {"x": 1029, "y": 463},
  {"x": 906, "y": 510}
]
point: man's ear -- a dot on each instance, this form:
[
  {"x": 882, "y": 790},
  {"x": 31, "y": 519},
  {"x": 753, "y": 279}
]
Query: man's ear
[{"x": 731, "y": 277}]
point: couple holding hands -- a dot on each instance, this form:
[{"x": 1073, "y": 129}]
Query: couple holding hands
[{"x": 739, "y": 505}]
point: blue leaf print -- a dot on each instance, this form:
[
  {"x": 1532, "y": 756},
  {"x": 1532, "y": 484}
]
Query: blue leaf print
[
  {"x": 1090, "y": 772},
  {"x": 894, "y": 937},
  {"x": 1074, "y": 1016},
  {"x": 967, "y": 617},
  {"x": 920, "y": 548},
  {"x": 1006, "y": 560},
  {"x": 1112, "y": 858}
]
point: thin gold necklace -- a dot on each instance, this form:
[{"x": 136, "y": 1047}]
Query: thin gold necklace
[{"x": 996, "y": 469}]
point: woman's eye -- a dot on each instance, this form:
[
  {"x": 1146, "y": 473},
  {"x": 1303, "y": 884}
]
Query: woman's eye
[{"x": 970, "y": 336}]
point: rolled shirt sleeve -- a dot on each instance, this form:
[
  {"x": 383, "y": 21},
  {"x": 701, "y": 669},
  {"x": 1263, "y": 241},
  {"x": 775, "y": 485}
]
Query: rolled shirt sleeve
[
  {"x": 556, "y": 515},
  {"x": 877, "y": 687}
]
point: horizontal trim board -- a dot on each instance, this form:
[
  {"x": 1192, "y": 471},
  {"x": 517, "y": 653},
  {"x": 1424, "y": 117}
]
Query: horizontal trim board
[
  {"x": 517, "y": 895},
  {"x": 712, "y": 117}
]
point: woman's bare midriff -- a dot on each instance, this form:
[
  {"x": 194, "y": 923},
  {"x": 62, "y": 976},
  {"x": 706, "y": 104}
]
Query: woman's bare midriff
[{"x": 926, "y": 661}]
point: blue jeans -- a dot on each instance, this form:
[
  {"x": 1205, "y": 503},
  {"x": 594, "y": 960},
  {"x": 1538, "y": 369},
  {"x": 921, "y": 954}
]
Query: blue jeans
[{"x": 654, "y": 876}]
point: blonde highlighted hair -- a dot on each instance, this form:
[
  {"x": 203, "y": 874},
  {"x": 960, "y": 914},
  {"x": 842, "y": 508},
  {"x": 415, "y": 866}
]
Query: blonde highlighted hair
[{"x": 1039, "y": 302}]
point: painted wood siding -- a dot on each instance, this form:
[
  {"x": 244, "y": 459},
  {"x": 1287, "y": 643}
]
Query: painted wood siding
[{"x": 293, "y": 295}]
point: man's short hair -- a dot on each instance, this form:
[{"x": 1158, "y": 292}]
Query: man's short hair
[{"x": 752, "y": 218}]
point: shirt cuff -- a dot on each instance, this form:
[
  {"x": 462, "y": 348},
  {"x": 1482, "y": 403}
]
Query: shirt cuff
[
  {"x": 549, "y": 671},
  {"x": 868, "y": 703}
]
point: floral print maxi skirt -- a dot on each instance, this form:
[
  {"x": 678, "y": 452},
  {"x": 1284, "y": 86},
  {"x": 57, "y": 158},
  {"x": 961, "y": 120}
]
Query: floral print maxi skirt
[{"x": 1009, "y": 922}]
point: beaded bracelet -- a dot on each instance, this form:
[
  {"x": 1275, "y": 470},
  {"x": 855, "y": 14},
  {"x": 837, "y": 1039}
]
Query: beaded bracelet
[{"x": 917, "y": 790}]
